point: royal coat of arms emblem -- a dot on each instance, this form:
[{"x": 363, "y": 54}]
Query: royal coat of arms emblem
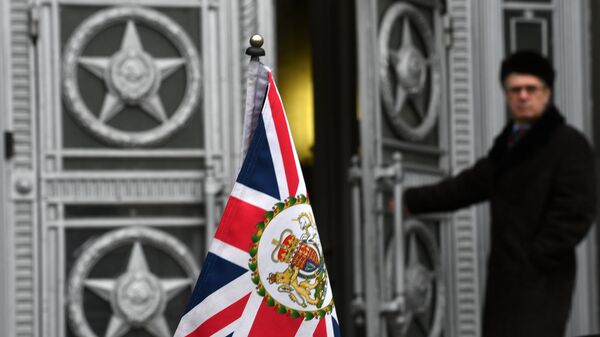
[{"x": 287, "y": 261}]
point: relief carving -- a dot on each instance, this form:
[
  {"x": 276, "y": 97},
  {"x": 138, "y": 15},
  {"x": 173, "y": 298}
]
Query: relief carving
[
  {"x": 132, "y": 76},
  {"x": 422, "y": 305},
  {"x": 138, "y": 297},
  {"x": 409, "y": 76}
]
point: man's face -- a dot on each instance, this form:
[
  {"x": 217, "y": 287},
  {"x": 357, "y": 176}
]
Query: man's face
[{"x": 527, "y": 96}]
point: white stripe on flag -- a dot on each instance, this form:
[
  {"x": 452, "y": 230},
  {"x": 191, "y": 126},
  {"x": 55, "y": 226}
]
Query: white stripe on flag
[
  {"x": 230, "y": 253},
  {"x": 334, "y": 314},
  {"x": 215, "y": 303},
  {"x": 253, "y": 197},
  {"x": 275, "y": 149},
  {"x": 249, "y": 314},
  {"x": 301, "y": 184},
  {"x": 307, "y": 328},
  {"x": 329, "y": 326}
]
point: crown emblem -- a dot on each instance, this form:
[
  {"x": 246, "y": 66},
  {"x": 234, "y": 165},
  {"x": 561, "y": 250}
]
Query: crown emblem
[{"x": 285, "y": 247}]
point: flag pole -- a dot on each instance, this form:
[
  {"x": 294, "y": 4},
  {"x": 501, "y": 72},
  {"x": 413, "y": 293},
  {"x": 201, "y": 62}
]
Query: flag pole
[
  {"x": 256, "y": 88},
  {"x": 255, "y": 50}
]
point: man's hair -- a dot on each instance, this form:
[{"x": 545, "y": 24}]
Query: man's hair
[{"x": 530, "y": 63}]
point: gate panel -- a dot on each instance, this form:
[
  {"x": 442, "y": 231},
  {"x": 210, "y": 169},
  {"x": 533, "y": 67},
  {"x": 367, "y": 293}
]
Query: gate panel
[
  {"x": 134, "y": 156},
  {"x": 416, "y": 127}
]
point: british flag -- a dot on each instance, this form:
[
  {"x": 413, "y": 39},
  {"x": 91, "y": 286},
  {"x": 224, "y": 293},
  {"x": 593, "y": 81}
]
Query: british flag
[{"x": 264, "y": 274}]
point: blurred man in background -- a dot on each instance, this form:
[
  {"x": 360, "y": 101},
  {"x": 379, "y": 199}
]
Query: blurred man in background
[{"x": 539, "y": 179}]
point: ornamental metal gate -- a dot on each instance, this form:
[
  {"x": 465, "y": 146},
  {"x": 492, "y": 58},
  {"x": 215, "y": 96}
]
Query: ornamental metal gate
[
  {"x": 126, "y": 132},
  {"x": 405, "y": 266},
  {"x": 469, "y": 39}
]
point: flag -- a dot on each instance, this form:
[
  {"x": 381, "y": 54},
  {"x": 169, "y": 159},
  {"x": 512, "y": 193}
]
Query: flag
[{"x": 264, "y": 274}]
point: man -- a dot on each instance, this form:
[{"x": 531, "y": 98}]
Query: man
[{"x": 539, "y": 179}]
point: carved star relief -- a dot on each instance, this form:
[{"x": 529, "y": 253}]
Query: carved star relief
[
  {"x": 132, "y": 77},
  {"x": 410, "y": 67},
  {"x": 138, "y": 297}
]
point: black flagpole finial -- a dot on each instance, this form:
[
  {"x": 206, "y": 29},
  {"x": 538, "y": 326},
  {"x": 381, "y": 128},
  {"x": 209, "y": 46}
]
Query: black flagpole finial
[{"x": 255, "y": 50}]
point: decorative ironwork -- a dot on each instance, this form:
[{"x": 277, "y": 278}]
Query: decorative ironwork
[
  {"x": 135, "y": 187},
  {"x": 405, "y": 71},
  {"x": 24, "y": 186},
  {"x": 412, "y": 293},
  {"x": 138, "y": 297},
  {"x": 424, "y": 291},
  {"x": 132, "y": 76}
]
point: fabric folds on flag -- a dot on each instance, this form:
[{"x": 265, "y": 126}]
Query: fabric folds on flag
[{"x": 264, "y": 274}]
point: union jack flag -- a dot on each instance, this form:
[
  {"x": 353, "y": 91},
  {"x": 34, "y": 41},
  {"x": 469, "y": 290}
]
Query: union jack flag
[{"x": 264, "y": 274}]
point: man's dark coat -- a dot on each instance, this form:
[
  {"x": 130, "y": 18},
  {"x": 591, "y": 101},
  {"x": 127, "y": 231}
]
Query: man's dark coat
[{"x": 542, "y": 196}]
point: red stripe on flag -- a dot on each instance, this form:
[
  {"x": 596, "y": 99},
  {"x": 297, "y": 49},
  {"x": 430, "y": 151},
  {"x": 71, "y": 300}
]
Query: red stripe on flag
[
  {"x": 283, "y": 134},
  {"x": 321, "y": 330},
  {"x": 238, "y": 223},
  {"x": 222, "y": 319},
  {"x": 270, "y": 323}
]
